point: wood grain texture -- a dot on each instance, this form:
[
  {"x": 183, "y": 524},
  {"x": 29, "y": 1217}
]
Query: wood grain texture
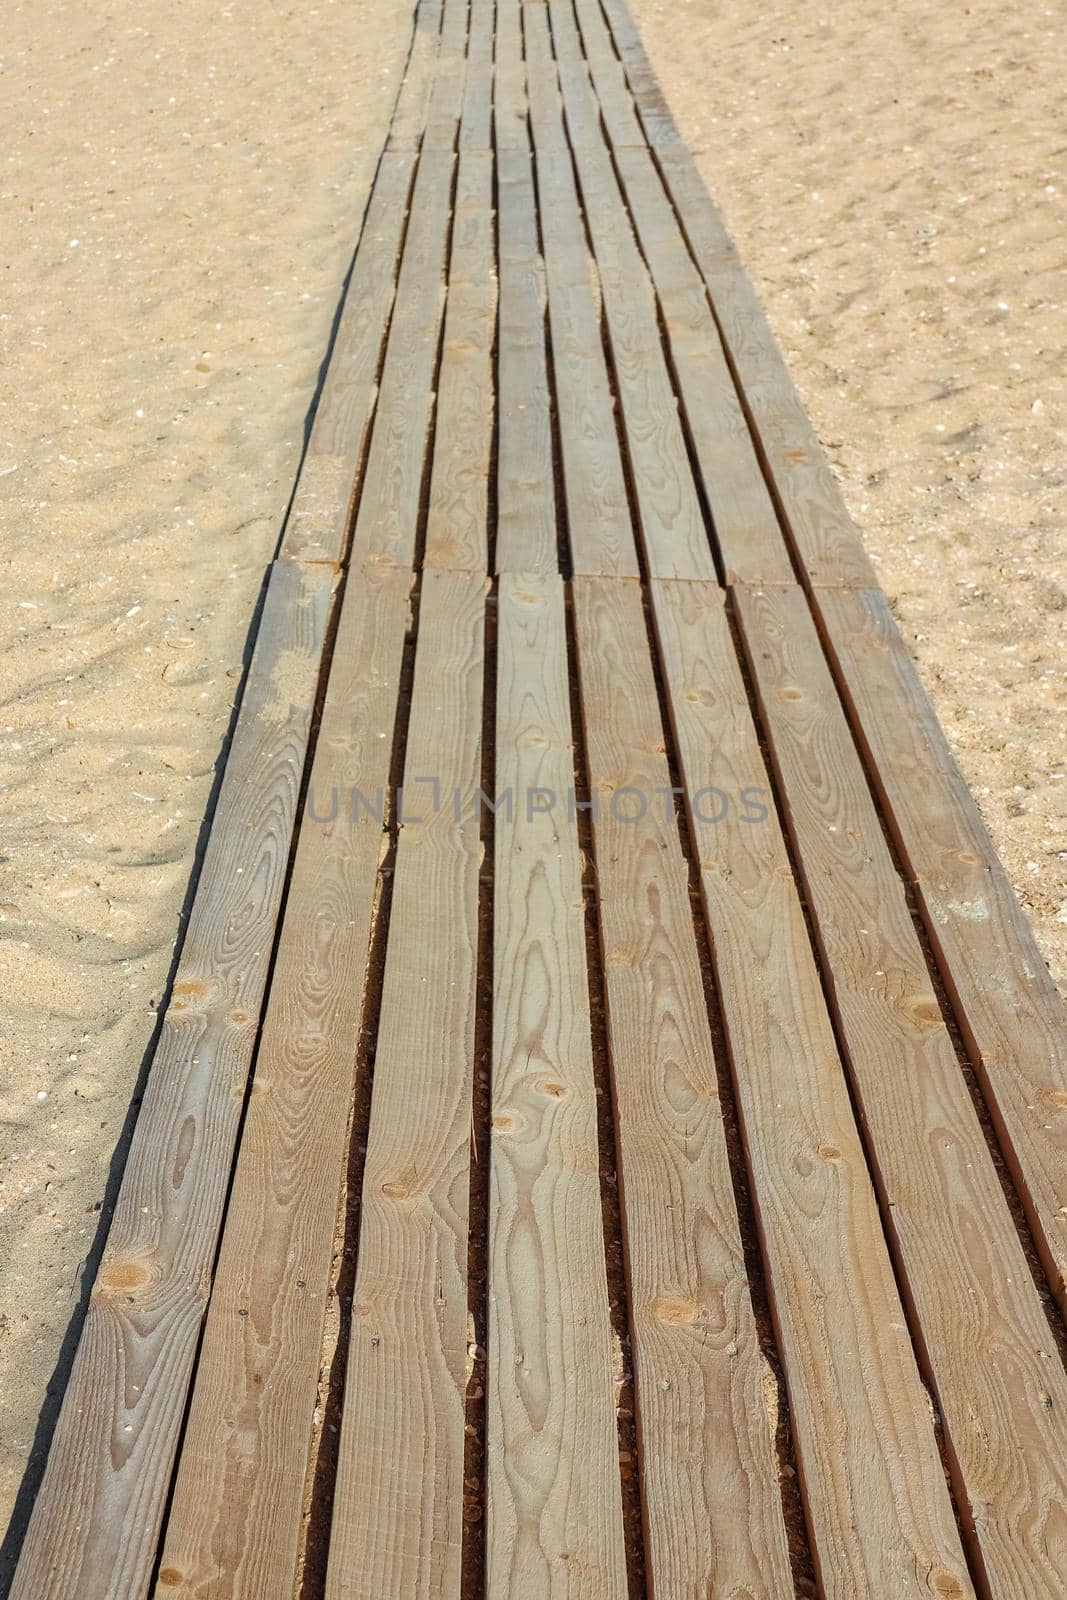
[
  {"x": 1009, "y": 1010},
  {"x": 555, "y": 1528},
  {"x": 318, "y": 521},
  {"x": 234, "y": 1524},
  {"x": 705, "y": 1410},
  {"x": 526, "y": 538},
  {"x": 880, "y": 1517},
  {"x": 509, "y": 80},
  {"x": 751, "y": 545},
  {"x": 96, "y": 1521},
  {"x": 409, "y": 115},
  {"x": 672, "y": 525},
  {"x": 456, "y": 527},
  {"x": 387, "y": 519},
  {"x": 995, "y": 1368},
  {"x": 599, "y": 528},
  {"x": 476, "y": 124},
  {"x": 398, "y": 1509}
]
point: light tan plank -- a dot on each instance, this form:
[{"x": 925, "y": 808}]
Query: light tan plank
[
  {"x": 879, "y": 1513},
  {"x": 656, "y": 117},
  {"x": 398, "y": 1510},
  {"x": 672, "y": 525},
  {"x": 609, "y": 77},
  {"x": 599, "y": 526},
  {"x": 994, "y": 1366},
  {"x": 459, "y": 485},
  {"x": 318, "y": 521},
  {"x": 476, "y": 125},
  {"x": 1010, "y": 1013},
  {"x": 387, "y": 519},
  {"x": 234, "y": 1525},
  {"x": 555, "y": 1527},
  {"x": 708, "y": 1464},
  {"x": 526, "y": 538},
  {"x": 96, "y": 1521}
]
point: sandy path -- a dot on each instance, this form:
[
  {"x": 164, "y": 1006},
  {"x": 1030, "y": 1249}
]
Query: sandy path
[
  {"x": 180, "y": 193},
  {"x": 896, "y": 181}
]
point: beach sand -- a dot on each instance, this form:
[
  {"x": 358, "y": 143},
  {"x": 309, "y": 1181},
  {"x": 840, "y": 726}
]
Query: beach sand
[
  {"x": 180, "y": 191},
  {"x": 180, "y": 196}
]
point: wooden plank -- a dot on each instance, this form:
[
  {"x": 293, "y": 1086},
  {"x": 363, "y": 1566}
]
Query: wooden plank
[
  {"x": 826, "y": 540},
  {"x": 509, "y": 80},
  {"x": 994, "y": 1366},
  {"x": 879, "y": 1513},
  {"x": 1008, "y": 1008},
  {"x": 409, "y": 115},
  {"x": 827, "y": 544},
  {"x": 672, "y": 525},
  {"x": 708, "y": 1464},
  {"x": 398, "y": 1509},
  {"x": 456, "y": 528},
  {"x": 96, "y": 1521},
  {"x": 599, "y": 525},
  {"x": 318, "y": 521},
  {"x": 235, "y": 1518},
  {"x": 554, "y": 1501},
  {"x": 746, "y": 526},
  {"x": 387, "y": 519},
  {"x": 526, "y": 538},
  {"x": 475, "y": 131}
]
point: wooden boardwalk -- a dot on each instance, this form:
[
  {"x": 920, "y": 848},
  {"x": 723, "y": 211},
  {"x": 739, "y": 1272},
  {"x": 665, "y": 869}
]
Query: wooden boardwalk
[{"x": 609, "y": 1133}]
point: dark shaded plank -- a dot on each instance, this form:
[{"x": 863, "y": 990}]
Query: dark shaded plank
[
  {"x": 555, "y": 1509},
  {"x": 96, "y": 1521},
  {"x": 1009, "y": 1010},
  {"x": 398, "y": 1508},
  {"x": 235, "y": 1517},
  {"x": 709, "y": 1472},
  {"x": 879, "y": 1513},
  {"x": 994, "y": 1366}
]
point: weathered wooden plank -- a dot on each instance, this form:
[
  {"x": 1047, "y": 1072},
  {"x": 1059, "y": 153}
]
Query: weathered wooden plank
[
  {"x": 599, "y": 525},
  {"x": 746, "y": 525},
  {"x": 398, "y": 1508},
  {"x": 526, "y": 539},
  {"x": 318, "y": 521},
  {"x": 476, "y": 124},
  {"x": 509, "y": 79},
  {"x": 456, "y": 524},
  {"x": 409, "y": 115},
  {"x": 672, "y": 525},
  {"x": 880, "y": 1517},
  {"x": 826, "y": 540},
  {"x": 387, "y": 519},
  {"x": 827, "y": 543},
  {"x": 1009, "y": 1011},
  {"x": 234, "y": 1524},
  {"x": 554, "y": 1500},
  {"x": 708, "y": 1464},
  {"x": 96, "y": 1521},
  {"x": 994, "y": 1366}
]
